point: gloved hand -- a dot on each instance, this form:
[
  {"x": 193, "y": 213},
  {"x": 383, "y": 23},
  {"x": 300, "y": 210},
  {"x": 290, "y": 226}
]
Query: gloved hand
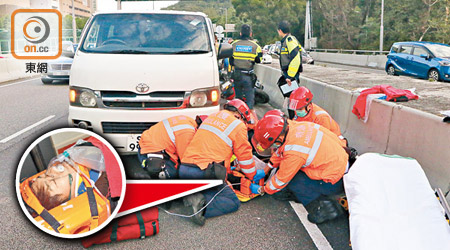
[
  {"x": 259, "y": 175},
  {"x": 233, "y": 167},
  {"x": 254, "y": 188}
]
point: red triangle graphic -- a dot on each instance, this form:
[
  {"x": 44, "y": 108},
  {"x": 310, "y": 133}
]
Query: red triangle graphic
[{"x": 141, "y": 194}]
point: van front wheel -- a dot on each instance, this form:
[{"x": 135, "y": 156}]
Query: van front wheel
[{"x": 433, "y": 75}]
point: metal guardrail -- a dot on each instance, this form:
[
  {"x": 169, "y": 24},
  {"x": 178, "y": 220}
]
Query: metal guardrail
[{"x": 355, "y": 52}]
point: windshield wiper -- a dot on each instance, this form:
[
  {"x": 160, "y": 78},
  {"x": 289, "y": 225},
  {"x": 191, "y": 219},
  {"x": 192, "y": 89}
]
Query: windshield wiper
[
  {"x": 129, "y": 51},
  {"x": 191, "y": 51}
]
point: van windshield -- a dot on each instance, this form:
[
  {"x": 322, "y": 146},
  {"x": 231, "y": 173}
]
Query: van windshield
[
  {"x": 147, "y": 34},
  {"x": 439, "y": 50}
]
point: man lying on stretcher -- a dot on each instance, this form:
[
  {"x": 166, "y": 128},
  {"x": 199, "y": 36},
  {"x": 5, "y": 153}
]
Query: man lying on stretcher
[{"x": 66, "y": 190}]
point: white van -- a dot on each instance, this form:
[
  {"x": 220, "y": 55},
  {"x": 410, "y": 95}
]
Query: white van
[{"x": 134, "y": 69}]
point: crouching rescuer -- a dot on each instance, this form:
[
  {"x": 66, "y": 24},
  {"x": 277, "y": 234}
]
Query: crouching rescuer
[
  {"x": 221, "y": 135},
  {"x": 310, "y": 163},
  {"x": 162, "y": 145}
]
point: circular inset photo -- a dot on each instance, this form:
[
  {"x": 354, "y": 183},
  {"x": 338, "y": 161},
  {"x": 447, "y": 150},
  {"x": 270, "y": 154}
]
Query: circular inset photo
[{"x": 70, "y": 182}]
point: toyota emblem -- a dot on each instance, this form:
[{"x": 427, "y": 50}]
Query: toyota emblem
[{"x": 142, "y": 88}]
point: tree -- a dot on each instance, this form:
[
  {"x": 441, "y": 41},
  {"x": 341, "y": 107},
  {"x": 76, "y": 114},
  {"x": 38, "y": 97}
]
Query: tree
[
  {"x": 264, "y": 16},
  {"x": 79, "y": 22}
]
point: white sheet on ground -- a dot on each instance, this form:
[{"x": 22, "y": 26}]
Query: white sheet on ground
[{"x": 392, "y": 205}]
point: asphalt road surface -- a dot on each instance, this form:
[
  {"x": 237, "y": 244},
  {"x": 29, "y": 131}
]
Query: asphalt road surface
[{"x": 29, "y": 109}]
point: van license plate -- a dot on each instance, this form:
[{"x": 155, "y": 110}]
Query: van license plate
[{"x": 133, "y": 143}]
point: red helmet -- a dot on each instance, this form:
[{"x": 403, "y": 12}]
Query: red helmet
[
  {"x": 267, "y": 131},
  {"x": 275, "y": 112},
  {"x": 241, "y": 107},
  {"x": 300, "y": 98}
]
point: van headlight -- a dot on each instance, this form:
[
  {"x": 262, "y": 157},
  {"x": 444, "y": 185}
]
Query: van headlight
[
  {"x": 444, "y": 63},
  {"x": 82, "y": 97},
  {"x": 204, "y": 97}
]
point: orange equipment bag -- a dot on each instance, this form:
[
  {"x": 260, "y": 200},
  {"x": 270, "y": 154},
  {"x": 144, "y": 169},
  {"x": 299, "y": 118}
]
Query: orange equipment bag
[
  {"x": 132, "y": 226},
  {"x": 80, "y": 214}
]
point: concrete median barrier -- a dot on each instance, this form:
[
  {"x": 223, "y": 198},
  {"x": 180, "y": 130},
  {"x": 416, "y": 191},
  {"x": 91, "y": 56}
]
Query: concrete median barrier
[
  {"x": 269, "y": 78},
  {"x": 373, "y": 61},
  {"x": 425, "y": 137},
  {"x": 391, "y": 128},
  {"x": 338, "y": 104},
  {"x": 4, "y": 74},
  {"x": 13, "y": 67},
  {"x": 373, "y": 135}
]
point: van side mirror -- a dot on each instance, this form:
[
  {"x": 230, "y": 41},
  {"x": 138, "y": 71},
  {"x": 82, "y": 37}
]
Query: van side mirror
[
  {"x": 225, "y": 51},
  {"x": 425, "y": 56}
]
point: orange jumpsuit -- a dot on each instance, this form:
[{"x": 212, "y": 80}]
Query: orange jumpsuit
[
  {"x": 312, "y": 149},
  {"x": 172, "y": 135},
  {"x": 319, "y": 116},
  {"x": 219, "y": 137}
]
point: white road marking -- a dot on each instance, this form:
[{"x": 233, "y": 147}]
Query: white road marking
[
  {"x": 26, "y": 129},
  {"x": 314, "y": 232},
  {"x": 18, "y": 82}
]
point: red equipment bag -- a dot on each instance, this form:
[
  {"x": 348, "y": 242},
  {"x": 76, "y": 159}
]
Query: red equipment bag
[{"x": 132, "y": 226}]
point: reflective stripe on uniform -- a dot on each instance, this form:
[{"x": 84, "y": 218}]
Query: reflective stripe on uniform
[
  {"x": 298, "y": 148},
  {"x": 219, "y": 133},
  {"x": 244, "y": 54},
  {"x": 292, "y": 70},
  {"x": 248, "y": 170},
  {"x": 272, "y": 186},
  {"x": 314, "y": 148},
  {"x": 247, "y": 162},
  {"x": 311, "y": 152},
  {"x": 155, "y": 156},
  {"x": 279, "y": 183},
  {"x": 316, "y": 126},
  {"x": 341, "y": 137},
  {"x": 270, "y": 165},
  {"x": 225, "y": 134},
  {"x": 320, "y": 112},
  {"x": 169, "y": 130},
  {"x": 231, "y": 127},
  {"x": 183, "y": 126}
]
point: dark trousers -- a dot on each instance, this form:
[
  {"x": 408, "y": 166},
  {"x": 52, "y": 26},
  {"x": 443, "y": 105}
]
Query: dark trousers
[
  {"x": 225, "y": 202},
  {"x": 306, "y": 190},
  {"x": 171, "y": 170},
  {"x": 244, "y": 89}
]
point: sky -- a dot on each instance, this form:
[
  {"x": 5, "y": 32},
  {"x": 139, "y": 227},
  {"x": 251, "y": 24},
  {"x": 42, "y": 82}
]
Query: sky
[{"x": 108, "y": 5}]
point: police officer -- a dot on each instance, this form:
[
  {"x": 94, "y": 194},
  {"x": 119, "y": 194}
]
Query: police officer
[
  {"x": 245, "y": 53},
  {"x": 290, "y": 53}
]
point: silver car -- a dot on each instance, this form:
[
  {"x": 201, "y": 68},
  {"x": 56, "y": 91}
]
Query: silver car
[
  {"x": 59, "y": 69},
  {"x": 307, "y": 58}
]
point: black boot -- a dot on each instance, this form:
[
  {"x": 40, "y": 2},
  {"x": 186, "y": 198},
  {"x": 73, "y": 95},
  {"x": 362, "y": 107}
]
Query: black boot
[
  {"x": 196, "y": 202},
  {"x": 327, "y": 210},
  {"x": 284, "y": 195}
]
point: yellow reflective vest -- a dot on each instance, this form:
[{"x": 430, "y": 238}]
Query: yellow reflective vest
[
  {"x": 245, "y": 54},
  {"x": 290, "y": 56}
]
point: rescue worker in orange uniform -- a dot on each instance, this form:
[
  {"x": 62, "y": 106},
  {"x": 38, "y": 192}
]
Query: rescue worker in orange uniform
[
  {"x": 302, "y": 109},
  {"x": 162, "y": 145},
  {"x": 310, "y": 161},
  {"x": 221, "y": 135}
]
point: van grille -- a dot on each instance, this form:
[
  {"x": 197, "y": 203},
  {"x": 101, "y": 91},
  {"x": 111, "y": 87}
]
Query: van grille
[
  {"x": 61, "y": 66},
  {"x": 125, "y": 99},
  {"x": 126, "y": 127}
]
